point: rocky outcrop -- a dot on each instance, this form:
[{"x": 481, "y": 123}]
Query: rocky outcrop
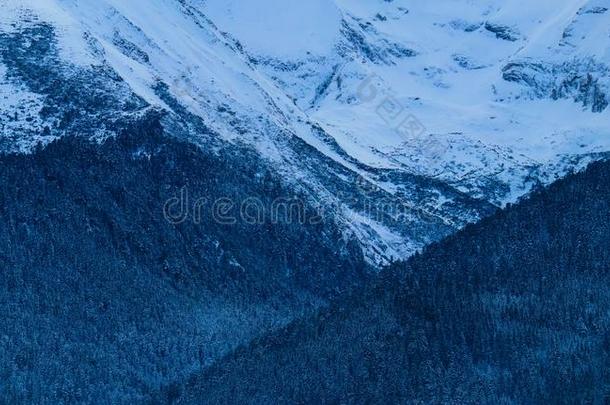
[{"x": 584, "y": 81}]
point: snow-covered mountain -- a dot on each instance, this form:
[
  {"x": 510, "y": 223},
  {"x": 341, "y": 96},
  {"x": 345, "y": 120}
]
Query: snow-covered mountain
[{"x": 405, "y": 119}]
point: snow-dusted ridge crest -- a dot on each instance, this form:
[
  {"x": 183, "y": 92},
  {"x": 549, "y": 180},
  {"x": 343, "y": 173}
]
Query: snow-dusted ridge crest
[{"x": 445, "y": 110}]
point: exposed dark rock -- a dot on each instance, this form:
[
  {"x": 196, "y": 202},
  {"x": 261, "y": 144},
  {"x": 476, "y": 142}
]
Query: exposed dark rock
[
  {"x": 579, "y": 80},
  {"x": 502, "y": 31}
]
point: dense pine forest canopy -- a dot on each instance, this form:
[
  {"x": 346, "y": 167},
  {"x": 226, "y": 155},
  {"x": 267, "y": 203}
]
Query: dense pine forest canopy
[
  {"x": 515, "y": 309},
  {"x": 104, "y": 299},
  {"x": 304, "y": 201}
]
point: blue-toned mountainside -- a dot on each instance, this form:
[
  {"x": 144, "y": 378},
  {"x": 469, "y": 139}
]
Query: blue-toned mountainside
[
  {"x": 104, "y": 299},
  {"x": 512, "y": 310},
  {"x": 180, "y": 179},
  {"x": 447, "y": 110}
]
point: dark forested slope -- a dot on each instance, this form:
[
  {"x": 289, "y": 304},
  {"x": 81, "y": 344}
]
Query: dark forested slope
[
  {"x": 103, "y": 300},
  {"x": 515, "y": 309}
]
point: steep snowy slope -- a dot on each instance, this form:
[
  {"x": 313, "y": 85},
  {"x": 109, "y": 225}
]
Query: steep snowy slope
[
  {"x": 479, "y": 94},
  {"x": 406, "y": 120}
]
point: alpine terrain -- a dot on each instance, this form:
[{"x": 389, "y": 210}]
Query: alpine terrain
[
  {"x": 443, "y": 110},
  {"x": 185, "y": 181}
]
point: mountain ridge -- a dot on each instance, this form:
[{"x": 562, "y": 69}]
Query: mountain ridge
[
  {"x": 220, "y": 79},
  {"x": 512, "y": 309}
]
